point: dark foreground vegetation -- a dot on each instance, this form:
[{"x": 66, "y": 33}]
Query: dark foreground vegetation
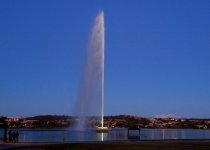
[{"x": 129, "y": 145}]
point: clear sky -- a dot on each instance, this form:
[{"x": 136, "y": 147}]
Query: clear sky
[{"x": 157, "y": 56}]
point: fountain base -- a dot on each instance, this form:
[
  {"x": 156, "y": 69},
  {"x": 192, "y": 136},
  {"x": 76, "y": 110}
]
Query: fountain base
[{"x": 102, "y": 129}]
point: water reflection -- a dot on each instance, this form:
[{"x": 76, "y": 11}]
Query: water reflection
[
  {"x": 163, "y": 134},
  {"x": 112, "y": 135},
  {"x": 102, "y": 136}
]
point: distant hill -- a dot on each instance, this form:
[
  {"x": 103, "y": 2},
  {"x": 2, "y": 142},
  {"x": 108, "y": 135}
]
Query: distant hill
[
  {"x": 165, "y": 116},
  {"x": 48, "y": 117}
]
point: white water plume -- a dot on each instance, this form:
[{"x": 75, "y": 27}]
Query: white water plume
[{"x": 91, "y": 94}]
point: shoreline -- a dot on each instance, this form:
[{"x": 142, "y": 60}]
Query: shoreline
[{"x": 108, "y": 128}]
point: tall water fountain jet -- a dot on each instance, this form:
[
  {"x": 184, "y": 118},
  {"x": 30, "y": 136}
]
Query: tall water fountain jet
[{"x": 91, "y": 94}]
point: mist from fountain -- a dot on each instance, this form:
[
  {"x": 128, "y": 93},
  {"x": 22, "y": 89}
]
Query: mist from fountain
[{"x": 91, "y": 92}]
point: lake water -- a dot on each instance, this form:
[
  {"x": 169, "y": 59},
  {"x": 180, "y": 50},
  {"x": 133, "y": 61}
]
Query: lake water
[{"x": 113, "y": 135}]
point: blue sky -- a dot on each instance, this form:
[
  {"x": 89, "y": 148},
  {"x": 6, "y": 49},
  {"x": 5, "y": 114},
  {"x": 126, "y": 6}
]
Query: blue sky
[{"x": 157, "y": 56}]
